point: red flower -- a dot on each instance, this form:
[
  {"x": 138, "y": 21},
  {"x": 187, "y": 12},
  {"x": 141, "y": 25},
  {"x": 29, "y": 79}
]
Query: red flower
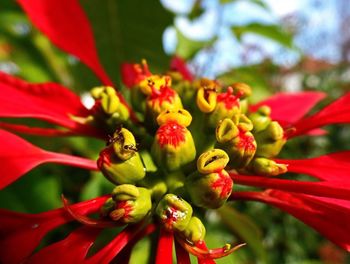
[{"x": 324, "y": 205}]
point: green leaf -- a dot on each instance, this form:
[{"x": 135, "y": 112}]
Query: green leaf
[
  {"x": 187, "y": 48},
  {"x": 128, "y": 30},
  {"x": 273, "y": 32},
  {"x": 245, "y": 228}
]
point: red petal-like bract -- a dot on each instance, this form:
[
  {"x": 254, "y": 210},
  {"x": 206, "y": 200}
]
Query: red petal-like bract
[
  {"x": 50, "y": 102},
  {"x": 288, "y": 108},
  {"x": 21, "y": 233},
  {"x": 108, "y": 253},
  {"x": 335, "y": 113},
  {"x": 37, "y": 131},
  {"x": 179, "y": 65},
  {"x": 165, "y": 247},
  {"x": 66, "y": 25},
  {"x": 71, "y": 250},
  {"x": 202, "y": 245},
  {"x": 182, "y": 255},
  {"x": 339, "y": 190},
  {"x": 85, "y": 220},
  {"x": 18, "y": 156},
  {"x": 334, "y": 167},
  {"x": 330, "y": 217},
  {"x": 47, "y": 101}
]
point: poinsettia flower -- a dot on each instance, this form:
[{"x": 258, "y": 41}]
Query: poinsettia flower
[{"x": 252, "y": 141}]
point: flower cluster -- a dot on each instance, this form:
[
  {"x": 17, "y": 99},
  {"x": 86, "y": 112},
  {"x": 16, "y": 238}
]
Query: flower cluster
[{"x": 202, "y": 138}]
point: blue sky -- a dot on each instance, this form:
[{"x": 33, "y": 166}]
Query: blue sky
[{"x": 319, "y": 18}]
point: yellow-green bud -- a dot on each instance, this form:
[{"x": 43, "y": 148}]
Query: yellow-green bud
[
  {"x": 261, "y": 118},
  {"x": 119, "y": 161},
  {"x": 237, "y": 141},
  {"x": 159, "y": 100},
  {"x": 195, "y": 231},
  {"x": 270, "y": 140},
  {"x": 212, "y": 161},
  {"x": 267, "y": 167},
  {"x": 174, "y": 212},
  {"x": 227, "y": 106},
  {"x": 206, "y": 94},
  {"x": 173, "y": 146},
  {"x": 209, "y": 190},
  {"x": 110, "y": 103},
  {"x": 132, "y": 203},
  {"x": 211, "y": 185}
]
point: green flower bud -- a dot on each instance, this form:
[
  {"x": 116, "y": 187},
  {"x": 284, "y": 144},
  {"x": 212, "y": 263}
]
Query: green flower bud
[
  {"x": 237, "y": 141},
  {"x": 119, "y": 161},
  {"x": 206, "y": 100},
  {"x": 174, "y": 212},
  {"x": 242, "y": 90},
  {"x": 206, "y": 94},
  {"x": 261, "y": 118},
  {"x": 159, "y": 100},
  {"x": 211, "y": 185},
  {"x": 132, "y": 203},
  {"x": 270, "y": 140},
  {"x": 173, "y": 146},
  {"x": 195, "y": 231},
  {"x": 209, "y": 190},
  {"x": 110, "y": 103},
  {"x": 267, "y": 167},
  {"x": 245, "y": 123},
  {"x": 212, "y": 161},
  {"x": 227, "y": 106}
]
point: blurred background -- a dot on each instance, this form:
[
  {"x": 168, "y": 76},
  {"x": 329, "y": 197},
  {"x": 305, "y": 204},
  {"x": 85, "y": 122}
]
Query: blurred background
[{"x": 272, "y": 45}]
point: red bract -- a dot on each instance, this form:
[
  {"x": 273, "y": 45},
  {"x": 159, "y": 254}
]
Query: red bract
[
  {"x": 165, "y": 247},
  {"x": 77, "y": 243},
  {"x": 50, "y": 102},
  {"x": 287, "y": 108},
  {"x": 333, "y": 167},
  {"x": 66, "y": 25},
  {"x": 21, "y": 233},
  {"x": 340, "y": 190},
  {"x": 19, "y": 156},
  {"x": 330, "y": 217},
  {"x": 335, "y": 113}
]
